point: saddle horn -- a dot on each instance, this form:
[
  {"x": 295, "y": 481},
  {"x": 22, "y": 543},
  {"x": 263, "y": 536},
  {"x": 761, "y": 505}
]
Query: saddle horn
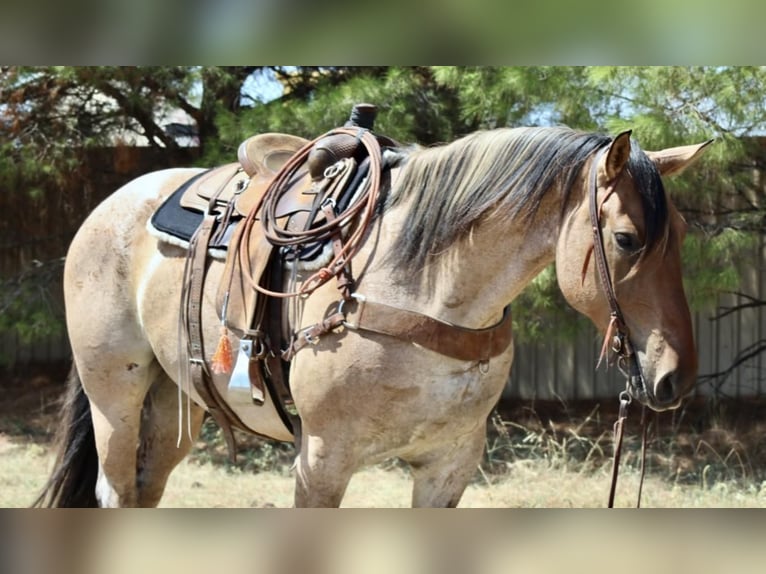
[{"x": 332, "y": 149}]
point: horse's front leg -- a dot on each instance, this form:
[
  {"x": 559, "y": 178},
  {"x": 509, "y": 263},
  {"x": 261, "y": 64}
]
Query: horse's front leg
[
  {"x": 441, "y": 476},
  {"x": 322, "y": 473}
]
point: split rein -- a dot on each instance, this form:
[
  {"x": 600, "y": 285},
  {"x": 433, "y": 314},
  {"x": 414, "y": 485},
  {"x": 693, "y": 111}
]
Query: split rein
[
  {"x": 619, "y": 431},
  {"x": 343, "y": 248},
  {"x": 617, "y": 335},
  {"x": 354, "y": 310}
]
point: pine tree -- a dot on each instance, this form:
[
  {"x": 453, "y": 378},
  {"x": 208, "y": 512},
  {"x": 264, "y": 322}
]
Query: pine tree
[{"x": 50, "y": 114}]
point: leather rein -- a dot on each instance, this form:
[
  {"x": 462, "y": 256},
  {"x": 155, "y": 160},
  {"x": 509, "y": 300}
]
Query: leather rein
[{"x": 617, "y": 336}]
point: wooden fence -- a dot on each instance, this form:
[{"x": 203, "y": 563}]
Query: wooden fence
[
  {"x": 541, "y": 371},
  {"x": 38, "y": 220},
  {"x": 567, "y": 370}
]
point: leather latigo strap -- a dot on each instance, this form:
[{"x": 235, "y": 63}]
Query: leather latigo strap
[
  {"x": 191, "y": 323},
  {"x": 435, "y": 335}
]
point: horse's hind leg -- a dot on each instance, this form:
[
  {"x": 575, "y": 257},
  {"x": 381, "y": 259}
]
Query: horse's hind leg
[
  {"x": 160, "y": 450},
  {"x": 116, "y": 390},
  {"x": 116, "y": 376},
  {"x": 442, "y": 476}
]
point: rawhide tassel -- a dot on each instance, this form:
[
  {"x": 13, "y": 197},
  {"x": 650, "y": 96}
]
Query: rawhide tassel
[{"x": 221, "y": 362}]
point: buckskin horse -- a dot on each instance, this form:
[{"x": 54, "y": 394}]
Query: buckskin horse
[{"x": 410, "y": 362}]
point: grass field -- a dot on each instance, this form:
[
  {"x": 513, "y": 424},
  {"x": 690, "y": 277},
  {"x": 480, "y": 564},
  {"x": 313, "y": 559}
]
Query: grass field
[
  {"x": 532, "y": 483},
  {"x": 539, "y": 470},
  {"x": 552, "y": 456}
]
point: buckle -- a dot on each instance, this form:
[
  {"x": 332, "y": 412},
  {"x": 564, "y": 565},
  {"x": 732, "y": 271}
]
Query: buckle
[
  {"x": 310, "y": 339},
  {"x": 328, "y": 202},
  {"x": 332, "y": 170},
  {"x": 361, "y": 299},
  {"x": 617, "y": 344}
]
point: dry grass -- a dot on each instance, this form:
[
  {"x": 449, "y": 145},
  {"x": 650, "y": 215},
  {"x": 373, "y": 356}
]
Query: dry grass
[
  {"x": 527, "y": 484},
  {"x": 536, "y": 483},
  {"x": 523, "y": 468},
  {"x": 540, "y": 455}
]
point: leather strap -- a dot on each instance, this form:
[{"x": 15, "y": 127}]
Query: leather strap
[
  {"x": 619, "y": 431},
  {"x": 617, "y": 335},
  {"x": 435, "y": 335},
  {"x": 192, "y": 313},
  {"x": 345, "y": 280},
  {"x": 438, "y": 336},
  {"x": 598, "y": 238},
  {"x": 276, "y": 370},
  {"x": 311, "y": 335}
]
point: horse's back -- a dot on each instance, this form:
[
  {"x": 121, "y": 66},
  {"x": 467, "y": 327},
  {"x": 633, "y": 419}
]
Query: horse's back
[
  {"x": 137, "y": 199},
  {"x": 107, "y": 258}
]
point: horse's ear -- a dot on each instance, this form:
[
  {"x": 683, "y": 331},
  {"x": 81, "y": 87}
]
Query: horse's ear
[
  {"x": 618, "y": 154},
  {"x": 674, "y": 160}
]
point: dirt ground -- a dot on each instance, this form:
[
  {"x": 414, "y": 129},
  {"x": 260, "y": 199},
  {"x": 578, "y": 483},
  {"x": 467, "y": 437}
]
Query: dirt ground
[
  {"x": 30, "y": 400},
  {"x": 704, "y": 440}
]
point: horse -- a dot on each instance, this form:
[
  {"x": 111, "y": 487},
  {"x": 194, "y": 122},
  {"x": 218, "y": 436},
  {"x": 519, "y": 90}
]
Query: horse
[{"x": 460, "y": 230}]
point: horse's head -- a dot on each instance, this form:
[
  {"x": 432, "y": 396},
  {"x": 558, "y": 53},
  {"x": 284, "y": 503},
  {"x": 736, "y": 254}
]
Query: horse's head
[{"x": 643, "y": 299}]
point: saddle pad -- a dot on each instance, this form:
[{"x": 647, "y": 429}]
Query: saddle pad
[
  {"x": 179, "y": 222},
  {"x": 175, "y": 220}
]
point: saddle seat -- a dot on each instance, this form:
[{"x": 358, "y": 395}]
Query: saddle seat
[
  {"x": 242, "y": 184},
  {"x": 232, "y": 191}
]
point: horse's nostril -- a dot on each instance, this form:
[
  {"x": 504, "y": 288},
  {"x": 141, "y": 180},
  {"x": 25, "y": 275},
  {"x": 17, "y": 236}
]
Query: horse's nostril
[{"x": 664, "y": 390}]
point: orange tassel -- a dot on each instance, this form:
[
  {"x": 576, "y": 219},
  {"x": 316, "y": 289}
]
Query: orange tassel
[{"x": 222, "y": 361}]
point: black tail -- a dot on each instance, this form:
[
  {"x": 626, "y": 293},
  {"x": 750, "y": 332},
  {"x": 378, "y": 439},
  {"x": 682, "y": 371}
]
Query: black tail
[{"x": 73, "y": 481}]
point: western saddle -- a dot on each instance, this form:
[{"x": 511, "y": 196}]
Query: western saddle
[{"x": 313, "y": 201}]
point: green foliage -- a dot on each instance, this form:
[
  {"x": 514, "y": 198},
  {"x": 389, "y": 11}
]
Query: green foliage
[
  {"x": 254, "y": 454},
  {"x": 504, "y": 97},
  {"x": 27, "y": 304},
  {"x": 709, "y": 263},
  {"x": 541, "y": 313},
  {"x": 412, "y": 107},
  {"x": 51, "y": 112}
]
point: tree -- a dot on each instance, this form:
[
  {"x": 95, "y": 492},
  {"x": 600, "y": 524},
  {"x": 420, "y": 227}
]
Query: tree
[
  {"x": 57, "y": 106},
  {"x": 49, "y": 118},
  {"x": 413, "y": 106},
  {"x": 50, "y": 113},
  {"x": 664, "y": 106}
]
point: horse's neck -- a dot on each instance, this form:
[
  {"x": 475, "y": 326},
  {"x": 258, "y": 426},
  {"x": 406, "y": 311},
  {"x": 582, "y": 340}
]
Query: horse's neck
[
  {"x": 472, "y": 281},
  {"x": 488, "y": 269}
]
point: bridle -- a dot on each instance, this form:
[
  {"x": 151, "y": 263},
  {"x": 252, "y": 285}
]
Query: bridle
[{"x": 617, "y": 337}]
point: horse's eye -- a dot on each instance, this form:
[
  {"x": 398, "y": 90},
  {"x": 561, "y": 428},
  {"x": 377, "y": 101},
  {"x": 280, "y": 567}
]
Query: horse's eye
[{"x": 627, "y": 242}]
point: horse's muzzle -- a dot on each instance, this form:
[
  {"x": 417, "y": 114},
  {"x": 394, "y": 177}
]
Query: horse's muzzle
[{"x": 663, "y": 397}]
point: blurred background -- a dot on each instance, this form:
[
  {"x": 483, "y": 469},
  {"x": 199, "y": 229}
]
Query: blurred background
[{"x": 70, "y": 136}]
